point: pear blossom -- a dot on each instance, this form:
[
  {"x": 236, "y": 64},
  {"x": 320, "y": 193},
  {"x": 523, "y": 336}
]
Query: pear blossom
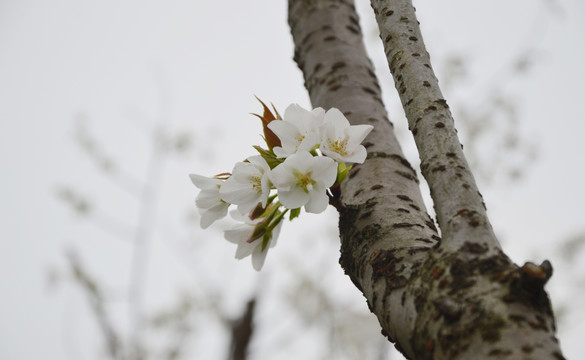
[
  {"x": 298, "y": 130},
  {"x": 248, "y": 185},
  {"x": 342, "y": 141},
  {"x": 253, "y": 237},
  {"x": 209, "y": 201},
  {"x": 302, "y": 180}
]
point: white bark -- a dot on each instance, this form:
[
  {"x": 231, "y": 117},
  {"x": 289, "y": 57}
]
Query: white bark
[{"x": 461, "y": 298}]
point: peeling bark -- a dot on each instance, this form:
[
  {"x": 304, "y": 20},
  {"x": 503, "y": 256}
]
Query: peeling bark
[{"x": 459, "y": 297}]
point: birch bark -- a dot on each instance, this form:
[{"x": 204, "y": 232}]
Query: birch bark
[{"x": 458, "y": 297}]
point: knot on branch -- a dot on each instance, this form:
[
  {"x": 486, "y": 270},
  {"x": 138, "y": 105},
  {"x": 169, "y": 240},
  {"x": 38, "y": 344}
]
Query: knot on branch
[{"x": 535, "y": 276}]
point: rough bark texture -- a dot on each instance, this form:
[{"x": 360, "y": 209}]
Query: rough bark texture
[{"x": 459, "y": 298}]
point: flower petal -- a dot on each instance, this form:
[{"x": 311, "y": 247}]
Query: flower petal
[
  {"x": 295, "y": 198},
  {"x": 317, "y": 202}
]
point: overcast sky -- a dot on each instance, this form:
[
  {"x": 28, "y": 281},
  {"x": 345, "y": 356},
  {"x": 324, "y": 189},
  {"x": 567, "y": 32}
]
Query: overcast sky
[{"x": 118, "y": 69}]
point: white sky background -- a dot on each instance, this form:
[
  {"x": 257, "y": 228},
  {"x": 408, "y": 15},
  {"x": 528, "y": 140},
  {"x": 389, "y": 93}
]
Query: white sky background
[{"x": 124, "y": 65}]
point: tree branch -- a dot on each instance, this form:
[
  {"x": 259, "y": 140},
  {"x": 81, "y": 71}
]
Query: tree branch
[
  {"x": 459, "y": 299},
  {"x": 459, "y": 205}
]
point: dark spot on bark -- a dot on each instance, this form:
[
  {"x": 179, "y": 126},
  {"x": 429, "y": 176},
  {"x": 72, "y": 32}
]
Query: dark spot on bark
[
  {"x": 439, "y": 168},
  {"x": 376, "y": 187},
  {"x": 442, "y": 102},
  {"x": 369, "y": 91},
  {"x": 371, "y": 203},
  {"x": 367, "y": 144},
  {"x": 431, "y": 108},
  {"x": 389, "y": 13},
  {"x": 426, "y": 84},
  {"x": 431, "y": 225},
  {"x": 527, "y": 349},
  {"x": 406, "y": 175},
  {"x": 353, "y": 172},
  {"x": 403, "y": 225},
  {"x": 474, "y": 248},
  {"x": 414, "y": 131},
  {"x": 365, "y": 215},
  {"x": 558, "y": 355},
  {"x": 306, "y": 38},
  {"x": 404, "y": 197},
  {"x": 465, "y": 186},
  {"x": 436, "y": 272},
  {"x": 317, "y": 67},
  {"x": 388, "y": 38},
  {"x": 436, "y": 237},
  {"x": 338, "y": 65},
  {"x": 335, "y": 87},
  {"x": 357, "y": 192},
  {"x": 413, "y": 38},
  {"x": 443, "y": 283},
  {"x": 491, "y": 327},
  {"x": 439, "y": 125},
  {"x": 353, "y": 29},
  {"x": 403, "y": 210},
  {"x": 500, "y": 352},
  {"x": 414, "y": 207},
  {"x": 384, "y": 265},
  {"x": 409, "y": 101},
  {"x": 451, "y": 154},
  {"x": 450, "y": 310},
  {"x": 403, "y": 19},
  {"x": 427, "y": 65},
  {"x": 402, "y": 66},
  {"x": 517, "y": 318},
  {"x": 330, "y": 38},
  {"x": 416, "y": 54},
  {"x": 402, "y": 161},
  {"x": 424, "y": 239}
]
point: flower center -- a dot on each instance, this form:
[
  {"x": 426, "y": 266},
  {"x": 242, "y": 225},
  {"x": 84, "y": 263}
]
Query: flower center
[
  {"x": 339, "y": 146},
  {"x": 305, "y": 181},
  {"x": 256, "y": 183}
]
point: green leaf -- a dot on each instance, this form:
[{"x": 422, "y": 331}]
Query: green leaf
[
  {"x": 294, "y": 213},
  {"x": 269, "y": 156}
]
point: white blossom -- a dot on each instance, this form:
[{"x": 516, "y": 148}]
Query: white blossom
[
  {"x": 243, "y": 235},
  {"x": 298, "y": 130},
  {"x": 342, "y": 141},
  {"x": 248, "y": 185},
  {"x": 302, "y": 180},
  {"x": 211, "y": 206}
]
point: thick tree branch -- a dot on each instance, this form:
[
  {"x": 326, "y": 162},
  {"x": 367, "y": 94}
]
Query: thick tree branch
[{"x": 462, "y": 300}]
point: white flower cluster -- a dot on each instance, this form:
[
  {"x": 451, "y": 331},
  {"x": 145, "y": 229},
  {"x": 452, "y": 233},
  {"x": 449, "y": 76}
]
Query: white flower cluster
[{"x": 307, "y": 155}]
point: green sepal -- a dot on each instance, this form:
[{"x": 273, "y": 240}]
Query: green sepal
[
  {"x": 269, "y": 156},
  {"x": 294, "y": 213},
  {"x": 342, "y": 171},
  {"x": 259, "y": 231},
  {"x": 266, "y": 239}
]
